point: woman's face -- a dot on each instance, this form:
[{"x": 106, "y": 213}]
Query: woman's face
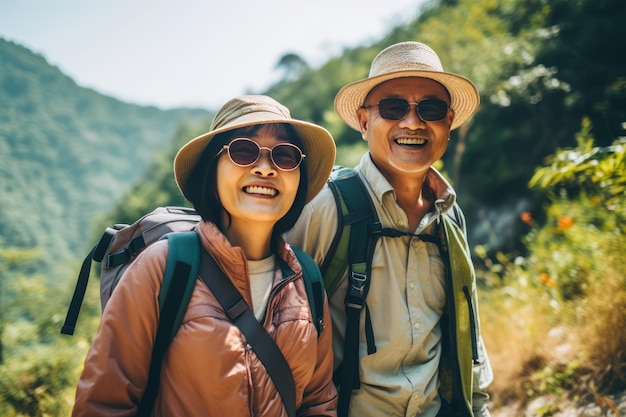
[{"x": 259, "y": 194}]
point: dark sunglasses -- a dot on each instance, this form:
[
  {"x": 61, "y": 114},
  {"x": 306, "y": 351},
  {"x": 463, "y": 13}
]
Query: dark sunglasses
[
  {"x": 429, "y": 110},
  {"x": 245, "y": 152}
]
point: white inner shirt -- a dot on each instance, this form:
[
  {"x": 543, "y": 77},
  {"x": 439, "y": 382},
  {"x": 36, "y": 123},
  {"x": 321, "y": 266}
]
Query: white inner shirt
[{"x": 261, "y": 278}]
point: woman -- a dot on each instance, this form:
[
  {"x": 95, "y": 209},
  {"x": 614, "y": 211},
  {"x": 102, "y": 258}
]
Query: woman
[{"x": 249, "y": 178}]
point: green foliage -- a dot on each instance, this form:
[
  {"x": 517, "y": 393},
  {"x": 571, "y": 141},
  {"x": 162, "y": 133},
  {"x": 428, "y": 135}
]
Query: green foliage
[
  {"x": 589, "y": 63},
  {"x": 596, "y": 171},
  {"x": 38, "y": 383},
  {"x": 565, "y": 292},
  {"x": 552, "y": 381},
  {"x": 37, "y": 367},
  {"x": 67, "y": 153},
  {"x": 155, "y": 188},
  {"x": 594, "y": 178}
]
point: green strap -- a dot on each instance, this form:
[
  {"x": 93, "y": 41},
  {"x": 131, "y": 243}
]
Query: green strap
[
  {"x": 314, "y": 287},
  {"x": 181, "y": 272},
  {"x": 183, "y": 247}
]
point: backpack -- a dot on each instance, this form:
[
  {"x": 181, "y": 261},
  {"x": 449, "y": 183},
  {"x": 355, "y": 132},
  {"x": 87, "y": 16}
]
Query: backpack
[
  {"x": 352, "y": 248},
  {"x": 120, "y": 245}
]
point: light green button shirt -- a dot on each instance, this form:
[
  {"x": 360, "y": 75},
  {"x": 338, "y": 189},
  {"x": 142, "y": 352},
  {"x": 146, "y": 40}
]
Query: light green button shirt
[{"x": 406, "y": 299}]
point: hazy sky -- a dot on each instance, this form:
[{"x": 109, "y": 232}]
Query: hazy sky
[{"x": 192, "y": 52}]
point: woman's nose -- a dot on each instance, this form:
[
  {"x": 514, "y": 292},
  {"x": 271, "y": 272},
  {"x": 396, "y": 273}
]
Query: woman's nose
[{"x": 264, "y": 165}]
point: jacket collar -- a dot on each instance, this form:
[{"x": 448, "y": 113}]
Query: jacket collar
[{"x": 232, "y": 259}]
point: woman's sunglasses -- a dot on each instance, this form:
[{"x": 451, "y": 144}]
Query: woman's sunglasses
[
  {"x": 245, "y": 152},
  {"x": 429, "y": 110}
]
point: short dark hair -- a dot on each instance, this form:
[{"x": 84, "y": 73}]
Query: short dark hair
[{"x": 201, "y": 185}]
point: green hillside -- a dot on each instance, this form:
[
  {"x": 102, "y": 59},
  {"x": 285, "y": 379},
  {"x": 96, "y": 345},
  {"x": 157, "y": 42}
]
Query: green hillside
[{"x": 68, "y": 153}]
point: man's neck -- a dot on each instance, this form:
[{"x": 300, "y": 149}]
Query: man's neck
[{"x": 413, "y": 195}]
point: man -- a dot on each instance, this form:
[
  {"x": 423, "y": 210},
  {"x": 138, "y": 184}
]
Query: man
[{"x": 428, "y": 359}]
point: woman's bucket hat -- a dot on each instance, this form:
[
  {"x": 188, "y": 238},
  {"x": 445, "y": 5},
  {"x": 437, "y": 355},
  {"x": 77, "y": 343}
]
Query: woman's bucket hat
[
  {"x": 319, "y": 146},
  {"x": 408, "y": 59}
]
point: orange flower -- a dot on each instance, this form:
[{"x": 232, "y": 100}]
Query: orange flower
[
  {"x": 526, "y": 217},
  {"x": 551, "y": 283},
  {"x": 544, "y": 278},
  {"x": 565, "y": 223}
]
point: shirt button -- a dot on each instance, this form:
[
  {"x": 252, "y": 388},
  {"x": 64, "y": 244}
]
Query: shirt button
[
  {"x": 417, "y": 326},
  {"x": 411, "y": 285}
]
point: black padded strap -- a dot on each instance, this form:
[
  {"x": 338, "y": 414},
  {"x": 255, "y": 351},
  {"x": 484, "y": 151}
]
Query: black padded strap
[{"x": 256, "y": 336}]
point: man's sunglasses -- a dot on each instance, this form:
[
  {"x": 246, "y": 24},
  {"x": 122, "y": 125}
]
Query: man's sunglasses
[
  {"x": 245, "y": 152},
  {"x": 429, "y": 110}
]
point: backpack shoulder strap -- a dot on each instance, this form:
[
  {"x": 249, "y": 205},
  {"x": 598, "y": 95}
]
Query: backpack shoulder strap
[
  {"x": 181, "y": 271},
  {"x": 356, "y": 218},
  {"x": 314, "y": 287},
  {"x": 183, "y": 253},
  {"x": 257, "y": 337},
  {"x": 352, "y": 249}
]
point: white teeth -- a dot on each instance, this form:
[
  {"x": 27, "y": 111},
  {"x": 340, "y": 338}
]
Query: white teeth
[
  {"x": 261, "y": 190},
  {"x": 411, "y": 141}
]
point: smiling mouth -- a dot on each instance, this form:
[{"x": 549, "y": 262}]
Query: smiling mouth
[
  {"x": 411, "y": 141},
  {"x": 260, "y": 191}
]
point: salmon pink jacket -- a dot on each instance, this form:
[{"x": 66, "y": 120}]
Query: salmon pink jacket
[{"x": 209, "y": 369}]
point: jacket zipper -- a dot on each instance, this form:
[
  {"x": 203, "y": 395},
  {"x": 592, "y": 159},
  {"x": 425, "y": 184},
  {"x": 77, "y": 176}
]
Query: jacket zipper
[
  {"x": 277, "y": 288},
  {"x": 248, "y": 354}
]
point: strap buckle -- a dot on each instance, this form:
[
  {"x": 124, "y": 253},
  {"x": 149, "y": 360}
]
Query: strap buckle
[{"x": 356, "y": 295}]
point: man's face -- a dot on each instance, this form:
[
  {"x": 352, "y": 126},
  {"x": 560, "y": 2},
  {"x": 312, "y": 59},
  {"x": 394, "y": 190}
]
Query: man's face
[{"x": 409, "y": 145}]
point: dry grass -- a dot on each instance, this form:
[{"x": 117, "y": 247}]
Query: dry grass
[{"x": 540, "y": 344}]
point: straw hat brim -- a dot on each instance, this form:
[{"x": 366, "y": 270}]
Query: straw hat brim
[
  {"x": 319, "y": 148},
  {"x": 464, "y": 97}
]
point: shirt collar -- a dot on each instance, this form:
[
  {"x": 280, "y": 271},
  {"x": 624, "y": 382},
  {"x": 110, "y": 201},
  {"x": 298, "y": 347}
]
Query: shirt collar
[{"x": 445, "y": 196}]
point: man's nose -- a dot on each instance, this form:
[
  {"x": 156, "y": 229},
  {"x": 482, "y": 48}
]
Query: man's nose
[{"x": 412, "y": 120}]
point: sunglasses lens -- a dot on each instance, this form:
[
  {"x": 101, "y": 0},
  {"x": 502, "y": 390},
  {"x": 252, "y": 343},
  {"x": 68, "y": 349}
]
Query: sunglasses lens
[
  {"x": 286, "y": 157},
  {"x": 429, "y": 110},
  {"x": 393, "y": 108},
  {"x": 243, "y": 151},
  {"x": 432, "y": 110}
]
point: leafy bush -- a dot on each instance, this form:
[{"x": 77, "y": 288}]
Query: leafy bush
[{"x": 554, "y": 318}]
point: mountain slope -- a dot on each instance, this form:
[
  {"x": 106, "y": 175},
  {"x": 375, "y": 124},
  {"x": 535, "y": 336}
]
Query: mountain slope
[{"x": 68, "y": 153}]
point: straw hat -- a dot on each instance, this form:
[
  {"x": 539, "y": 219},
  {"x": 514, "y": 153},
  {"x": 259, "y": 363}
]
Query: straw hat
[
  {"x": 408, "y": 59},
  {"x": 243, "y": 111}
]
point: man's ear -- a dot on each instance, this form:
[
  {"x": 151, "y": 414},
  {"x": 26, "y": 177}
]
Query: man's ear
[
  {"x": 450, "y": 117},
  {"x": 363, "y": 117}
]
